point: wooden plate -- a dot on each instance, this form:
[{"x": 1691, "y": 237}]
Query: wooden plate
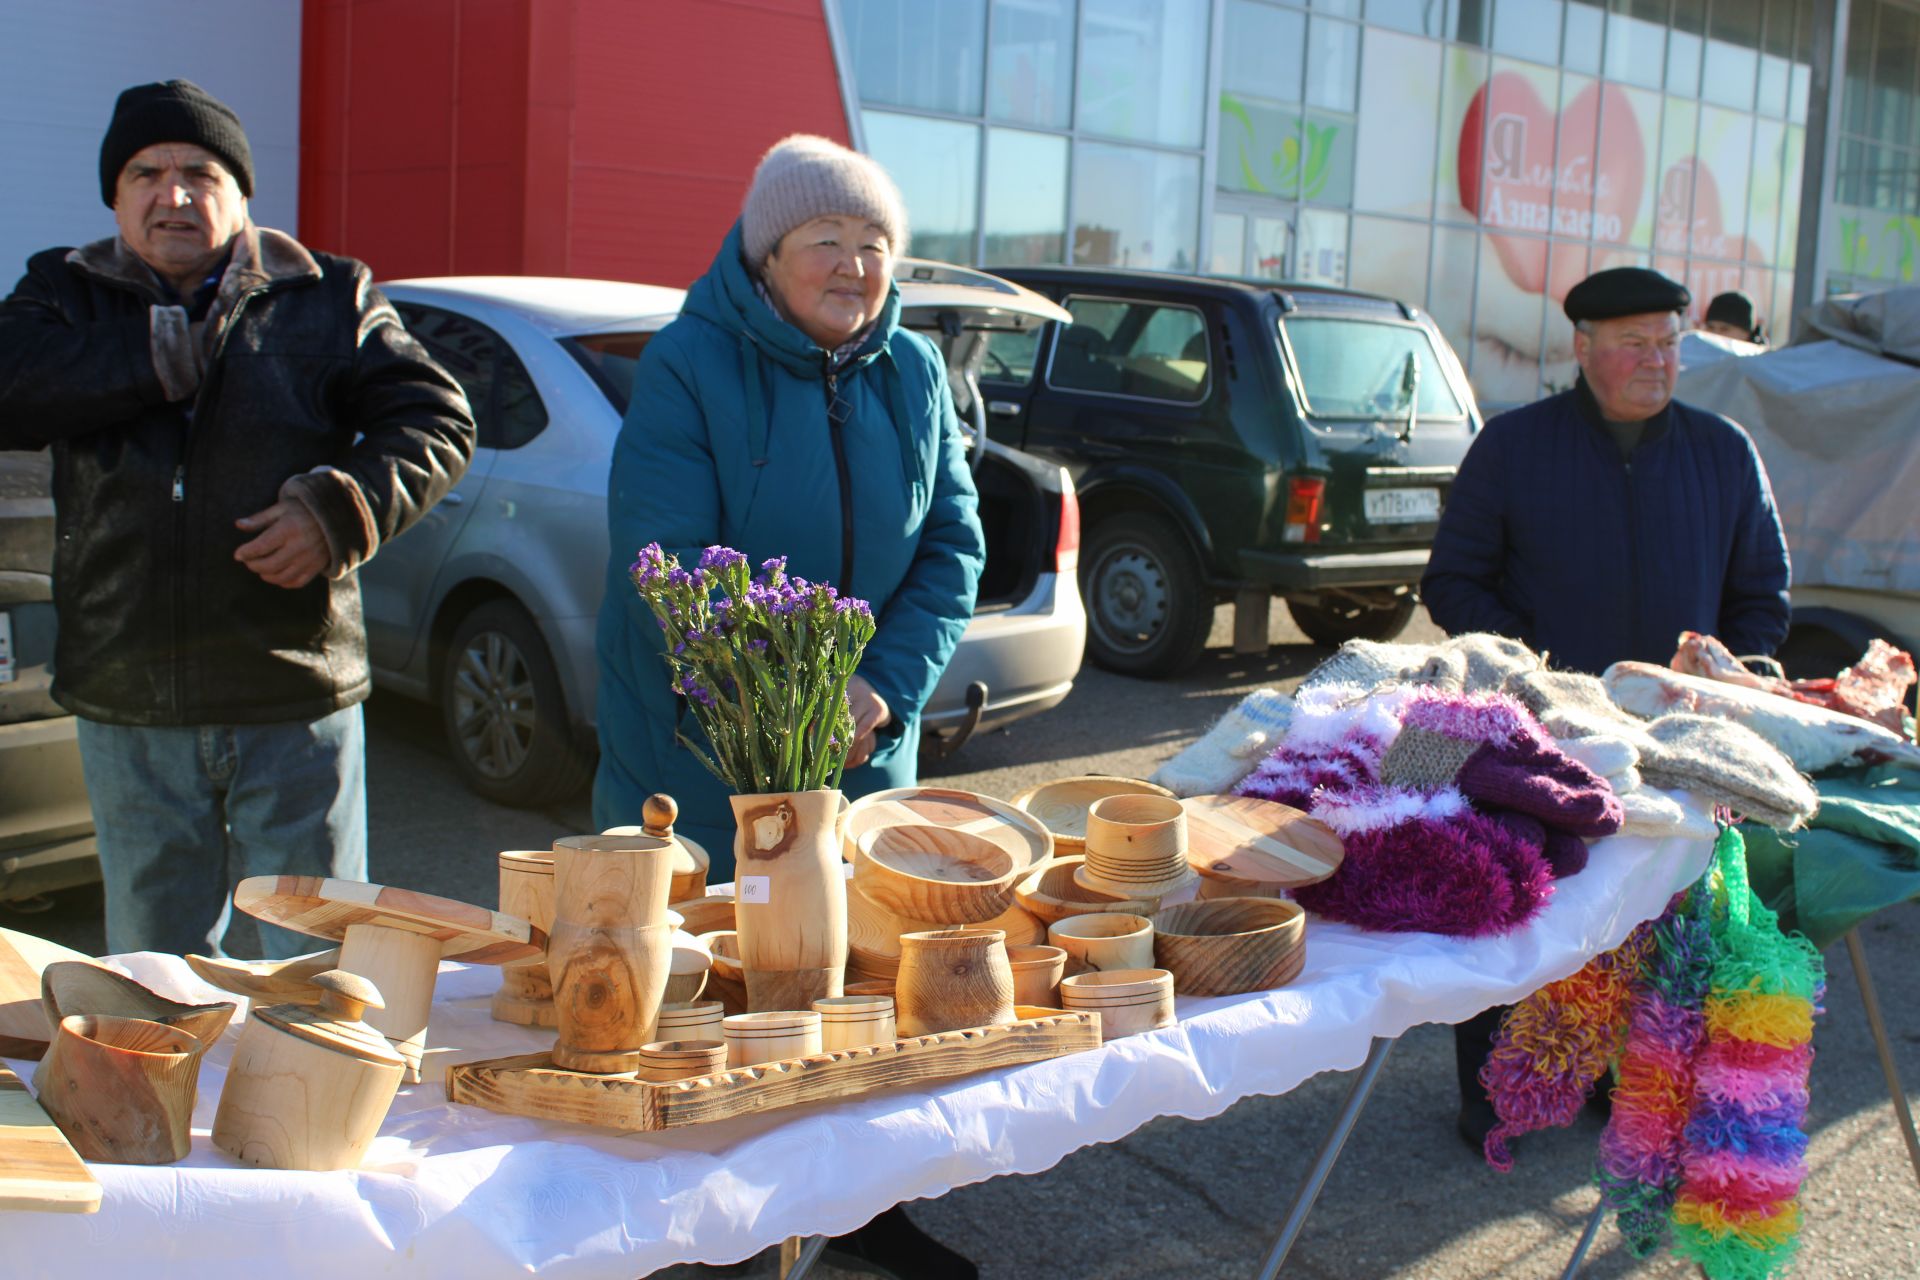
[
  {"x": 1061, "y": 806},
  {"x": 1018, "y": 833},
  {"x": 1052, "y": 892},
  {"x": 1259, "y": 841},
  {"x": 326, "y": 908},
  {"x": 22, "y": 959}
]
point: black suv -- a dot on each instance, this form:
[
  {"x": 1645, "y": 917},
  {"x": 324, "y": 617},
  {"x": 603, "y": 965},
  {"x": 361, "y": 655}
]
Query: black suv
[{"x": 1233, "y": 438}]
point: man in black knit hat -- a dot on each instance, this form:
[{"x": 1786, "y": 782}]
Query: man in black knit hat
[{"x": 237, "y": 423}]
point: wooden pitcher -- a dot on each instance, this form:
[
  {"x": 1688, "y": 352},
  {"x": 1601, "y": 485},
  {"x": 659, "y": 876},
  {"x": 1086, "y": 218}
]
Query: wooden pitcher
[
  {"x": 791, "y": 897},
  {"x": 951, "y": 979},
  {"x": 611, "y": 947},
  {"x": 121, "y": 1089}
]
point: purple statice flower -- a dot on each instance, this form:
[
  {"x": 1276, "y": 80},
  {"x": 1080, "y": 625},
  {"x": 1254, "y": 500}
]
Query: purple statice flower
[
  {"x": 679, "y": 578},
  {"x": 756, "y": 646},
  {"x": 650, "y": 566},
  {"x": 775, "y": 569},
  {"x": 689, "y": 684},
  {"x": 717, "y": 559},
  {"x": 850, "y": 604}
]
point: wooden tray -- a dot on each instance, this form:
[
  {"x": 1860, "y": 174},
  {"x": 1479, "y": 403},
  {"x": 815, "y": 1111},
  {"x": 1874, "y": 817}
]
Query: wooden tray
[
  {"x": 1261, "y": 842},
  {"x": 1018, "y": 833},
  {"x": 39, "y": 1168},
  {"x": 530, "y": 1085}
]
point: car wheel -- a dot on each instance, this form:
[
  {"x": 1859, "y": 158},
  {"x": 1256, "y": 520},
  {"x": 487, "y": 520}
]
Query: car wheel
[
  {"x": 505, "y": 716},
  {"x": 1148, "y": 613},
  {"x": 1338, "y": 621}
]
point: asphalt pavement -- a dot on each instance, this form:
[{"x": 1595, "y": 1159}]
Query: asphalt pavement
[{"x": 1203, "y": 1199}]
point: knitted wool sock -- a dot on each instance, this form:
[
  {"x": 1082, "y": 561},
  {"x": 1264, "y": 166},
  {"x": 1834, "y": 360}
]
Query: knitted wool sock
[
  {"x": 1605, "y": 754},
  {"x": 1425, "y": 759},
  {"x": 1730, "y": 764},
  {"x": 1228, "y": 751},
  {"x": 1541, "y": 781},
  {"x": 1491, "y": 660},
  {"x": 1565, "y": 854},
  {"x": 1648, "y": 813},
  {"x": 1369, "y": 665},
  {"x": 1573, "y": 705}
]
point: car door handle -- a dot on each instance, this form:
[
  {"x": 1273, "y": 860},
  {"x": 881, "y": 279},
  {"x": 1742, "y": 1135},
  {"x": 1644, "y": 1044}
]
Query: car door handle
[
  {"x": 1004, "y": 408},
  {"x": 454, "y": 499}
]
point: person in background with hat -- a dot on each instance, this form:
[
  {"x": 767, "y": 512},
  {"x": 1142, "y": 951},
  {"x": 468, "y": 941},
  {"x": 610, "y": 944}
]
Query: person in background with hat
[
  {"x": 1731, "y": 316},
  {"x": 1598, "y": 524},
  {"x": 237, "y": 423},
  {"x": 786, "y": 413}
]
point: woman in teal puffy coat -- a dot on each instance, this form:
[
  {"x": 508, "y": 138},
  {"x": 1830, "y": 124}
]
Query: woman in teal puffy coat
[{"x": 786, "y": 413}]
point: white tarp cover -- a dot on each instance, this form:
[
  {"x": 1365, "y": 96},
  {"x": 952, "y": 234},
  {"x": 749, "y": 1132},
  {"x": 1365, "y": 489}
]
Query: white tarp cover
[
  {"x": 455, "y": 1192},
  {"x": 1839, "y": 430}
]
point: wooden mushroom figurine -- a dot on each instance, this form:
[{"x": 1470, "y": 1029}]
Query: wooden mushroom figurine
[
  {"x": 395, "y": 938},
  {"x": 690, "y": 859},
  {"x": 309, "y": 1086}
]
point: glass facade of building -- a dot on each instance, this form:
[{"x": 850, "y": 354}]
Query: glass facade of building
[
  {"x": 1873, "y": 235},
  {"x": 1475, "y": 157}
]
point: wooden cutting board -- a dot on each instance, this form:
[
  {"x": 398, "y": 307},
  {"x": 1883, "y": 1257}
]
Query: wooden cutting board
[
  {"x": 1259, "y": 841},
  {"x": 1020, "y": 834},
  {"x": 22, "y": 957},
  {"x": 38, "y": 1166},
  {"x": 326, "y": 908}
]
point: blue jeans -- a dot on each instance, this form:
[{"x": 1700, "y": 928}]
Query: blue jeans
[{"x": 182, "y": 814}]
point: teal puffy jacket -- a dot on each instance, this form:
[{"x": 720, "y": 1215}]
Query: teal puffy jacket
[{"x": 727, "y": 441}]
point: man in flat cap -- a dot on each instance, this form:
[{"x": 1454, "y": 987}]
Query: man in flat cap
[
  {"x": 237, "y": 423},
  {"x": 1598, "y": 524}
]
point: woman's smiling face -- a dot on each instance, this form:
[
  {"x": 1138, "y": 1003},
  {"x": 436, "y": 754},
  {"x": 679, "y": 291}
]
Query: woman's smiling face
[{"x": 829, "y": 276}]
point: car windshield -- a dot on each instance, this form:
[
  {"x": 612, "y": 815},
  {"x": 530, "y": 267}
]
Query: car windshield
[
  {"x": 1365, "y": 369},
  {"x": 611, "y": 359}
]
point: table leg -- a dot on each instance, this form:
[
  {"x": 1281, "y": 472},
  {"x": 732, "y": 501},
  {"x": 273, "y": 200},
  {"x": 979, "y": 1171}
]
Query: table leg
[
  {"x": 1579, "y": 1257},
  {"x": 798, "y": 1254},
  {"x": 1857, "y": 952},
  {"x": 1323, "y": 1163}
]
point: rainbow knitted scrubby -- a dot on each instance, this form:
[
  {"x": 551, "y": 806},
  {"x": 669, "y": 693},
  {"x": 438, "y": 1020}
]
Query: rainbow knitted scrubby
[{"x": 1737, "y": 1212}]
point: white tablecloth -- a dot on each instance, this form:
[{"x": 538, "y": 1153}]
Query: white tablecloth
[{"x": 462, "y": 1193}]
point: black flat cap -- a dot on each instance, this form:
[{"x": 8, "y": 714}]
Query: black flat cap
[
  {"x": 1624, "y": 291},
  {"x": 1732, "y": 308}
]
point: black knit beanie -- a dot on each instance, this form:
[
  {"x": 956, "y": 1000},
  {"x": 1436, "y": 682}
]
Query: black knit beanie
[{"x": 173, "y": 111}]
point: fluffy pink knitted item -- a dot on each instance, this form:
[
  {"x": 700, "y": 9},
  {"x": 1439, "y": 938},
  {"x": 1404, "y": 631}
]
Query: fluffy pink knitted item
[
  {"x": 1468, "y": 877},
  {"x": 1481, "y": 717},
  {"x": 1375, "y": 807},
  {"x": 1542, "y": 782}
]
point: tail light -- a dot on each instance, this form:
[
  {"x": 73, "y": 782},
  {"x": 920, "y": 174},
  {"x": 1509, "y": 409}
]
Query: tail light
[
  {"x": 1304, "y": 496},
  {"x": 1066, "y": 547}
]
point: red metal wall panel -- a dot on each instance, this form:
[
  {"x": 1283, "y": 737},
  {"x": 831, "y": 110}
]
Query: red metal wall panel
[{"x": 562, "y": 137}]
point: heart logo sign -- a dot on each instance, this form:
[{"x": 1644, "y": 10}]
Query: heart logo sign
[
  {"x": 1511, "y": 179},
  {"x": 1690, "y": 214}
]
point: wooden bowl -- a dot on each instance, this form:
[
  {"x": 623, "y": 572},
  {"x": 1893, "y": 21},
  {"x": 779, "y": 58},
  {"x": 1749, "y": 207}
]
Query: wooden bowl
[
  {"x": 1128, "y": 1001},
  {"x": 1227, "y": 946},
  {"x": 711, "y": 914},
  {"x": 1019, "y": 833},
  {"x": 287, "y": 981},
  {"x": 1105, "y": 940},
  {"x": 1051, "y": 892},
  {"x": 1062, "y": 805},
  {"x": 665, "y": 1061},
  {"x": 71, "y": 988},
  {"x": 932, "y": 873},
  {"x": 871, "y": 987},
  {"x": 1260, "y": 842}
]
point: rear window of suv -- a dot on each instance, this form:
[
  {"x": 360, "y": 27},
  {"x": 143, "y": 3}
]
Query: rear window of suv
[{"x": 1359, "y": 368}]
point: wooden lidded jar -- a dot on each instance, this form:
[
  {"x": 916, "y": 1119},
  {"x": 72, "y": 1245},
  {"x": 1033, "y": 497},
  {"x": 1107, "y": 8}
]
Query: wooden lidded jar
[
  {"x": 309, "y": 1086},
  {"x": 526, "y": 890}
]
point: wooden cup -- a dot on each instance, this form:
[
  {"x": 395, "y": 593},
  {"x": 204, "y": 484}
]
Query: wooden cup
[
  {"x": 121, "y": 1089},
  {"x": 848, "y": 1022},
  {"x": 1110, "y": 940},
  {"x": 1037, "y": 971},
  {"x": 665, "y": 1061},
  {"x": 771, "y": 1036},
  {"x": 951, "y": 979},
  {"x": 525, "y": 996},
  {"x": 694, "y": 1020},
  {"x": 1128, "y": 1001},
  {"x": 611, "y": 947},
  {"x": 1136, "y": 844}
]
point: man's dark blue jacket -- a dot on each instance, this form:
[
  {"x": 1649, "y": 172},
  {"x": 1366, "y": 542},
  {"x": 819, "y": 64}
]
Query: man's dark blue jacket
[{"x": 1552, "y": 537}]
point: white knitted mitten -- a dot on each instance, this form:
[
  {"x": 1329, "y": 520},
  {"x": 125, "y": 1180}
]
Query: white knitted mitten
[{"x": 1229, "y": 751}]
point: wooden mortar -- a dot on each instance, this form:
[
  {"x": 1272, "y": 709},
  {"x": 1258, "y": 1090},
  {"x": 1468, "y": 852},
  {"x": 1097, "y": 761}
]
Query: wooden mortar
[
  {"x": 121, "y": 1089},
  {"x": 952, "y": 979}
]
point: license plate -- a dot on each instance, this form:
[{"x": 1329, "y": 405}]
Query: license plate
[
  {"x": 6, "y": 647},
  {"x": 1402, "y": 506}
]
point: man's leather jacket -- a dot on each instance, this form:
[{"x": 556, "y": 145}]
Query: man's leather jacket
[{"x": 300, "y": 384}]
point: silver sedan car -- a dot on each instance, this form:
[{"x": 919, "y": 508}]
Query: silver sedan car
[{"x": 487, "y": 607}]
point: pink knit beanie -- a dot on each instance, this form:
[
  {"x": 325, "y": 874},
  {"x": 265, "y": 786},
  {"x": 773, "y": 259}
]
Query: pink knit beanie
[{"x": 803, "y": 177}]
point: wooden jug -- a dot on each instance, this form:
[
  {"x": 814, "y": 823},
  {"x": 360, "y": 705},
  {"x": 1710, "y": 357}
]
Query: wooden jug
[
  {"x": 611, "y": 947},
  {"x": 790, "y": 897},
  {"x": 309, "y": 1086}
]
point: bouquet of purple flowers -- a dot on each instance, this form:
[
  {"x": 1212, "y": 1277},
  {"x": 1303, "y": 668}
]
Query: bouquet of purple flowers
[{"x": 763, "y": 659}]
